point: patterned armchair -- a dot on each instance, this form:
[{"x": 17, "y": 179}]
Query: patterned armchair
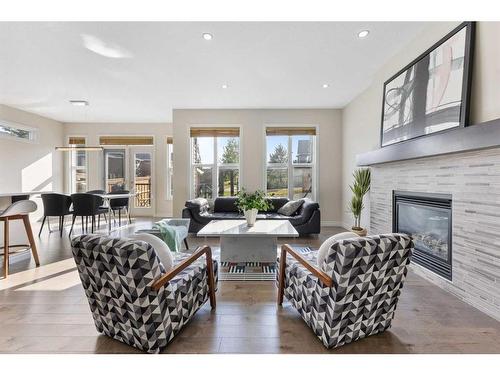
[
  {"x": 353, "y": 293},
  {"x": 132, "y": 298}
]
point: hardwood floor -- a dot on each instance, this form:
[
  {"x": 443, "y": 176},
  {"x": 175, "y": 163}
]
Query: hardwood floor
[{"x": 44, "y": 310}]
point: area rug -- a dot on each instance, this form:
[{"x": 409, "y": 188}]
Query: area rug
[{"x": 251, "y": 271}]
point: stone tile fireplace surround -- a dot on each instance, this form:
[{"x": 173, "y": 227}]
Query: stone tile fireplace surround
[{"x": 473, "y": 180}]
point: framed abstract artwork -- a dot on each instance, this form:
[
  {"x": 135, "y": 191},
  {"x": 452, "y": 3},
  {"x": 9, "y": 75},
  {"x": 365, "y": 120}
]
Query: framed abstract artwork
[{"x": 432, "y": 93}]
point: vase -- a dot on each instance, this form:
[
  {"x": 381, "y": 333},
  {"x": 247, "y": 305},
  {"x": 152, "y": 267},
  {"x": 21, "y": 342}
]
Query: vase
[
  {"x": 359, "y": 231},
  {"x": 251, "y": 216}
]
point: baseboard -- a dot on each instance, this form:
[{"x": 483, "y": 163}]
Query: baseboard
[{"x": 328, "y": 223}]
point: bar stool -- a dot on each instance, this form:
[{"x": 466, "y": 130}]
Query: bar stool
[{"x": 19, "y": 210}]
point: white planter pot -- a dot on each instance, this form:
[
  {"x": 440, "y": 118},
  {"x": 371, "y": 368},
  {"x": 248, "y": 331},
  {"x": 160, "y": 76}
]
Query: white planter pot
[{"x": 251, "y": 216}]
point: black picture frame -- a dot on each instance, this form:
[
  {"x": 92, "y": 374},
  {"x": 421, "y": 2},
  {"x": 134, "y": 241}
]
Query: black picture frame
[{"x": 466, "y": 80}]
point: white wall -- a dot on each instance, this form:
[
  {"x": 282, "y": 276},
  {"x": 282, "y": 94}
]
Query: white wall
[
  {"x": 26, "y": 166},
  {"x": 93, "y": 131},
  {"x": 361, "y": 117},
  {"x": 252, "y": 123}
]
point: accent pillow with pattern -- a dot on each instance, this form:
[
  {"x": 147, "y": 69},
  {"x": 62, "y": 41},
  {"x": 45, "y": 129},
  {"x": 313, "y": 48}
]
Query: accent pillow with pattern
[{"x": 290, "y": 208}]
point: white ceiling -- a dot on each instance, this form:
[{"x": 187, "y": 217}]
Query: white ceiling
[{"x": 156, "y": 67}]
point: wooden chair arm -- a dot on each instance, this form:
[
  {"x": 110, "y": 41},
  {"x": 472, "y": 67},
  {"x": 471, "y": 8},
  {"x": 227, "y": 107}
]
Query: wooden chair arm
[
  {"x": 203, "y": 250},
  {"x": 322, "y": 276}
]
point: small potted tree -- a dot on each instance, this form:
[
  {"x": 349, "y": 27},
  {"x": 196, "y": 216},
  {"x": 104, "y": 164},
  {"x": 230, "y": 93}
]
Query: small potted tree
[
  {"x": 251, "y": 203},
  {"x": 361, "y": 186}
]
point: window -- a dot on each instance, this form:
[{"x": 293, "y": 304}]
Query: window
[
  {"x": 215, "y": 162},
  {"x": 17, "y": 131},
  {"x": 170, "y": 168},
  {"x": 128, "y": 165},
  {"x": 78, "y": 166},
  {"x": 115, "y": 169},
  {"x": 290, "y": 162}
]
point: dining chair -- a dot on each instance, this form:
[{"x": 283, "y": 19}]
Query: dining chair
[
  {"x": 101, "y": 205},
  {"x": 119, "y": 204},
  {"x": 55, "y": 205},
  {"x": 86, "y": 205}
]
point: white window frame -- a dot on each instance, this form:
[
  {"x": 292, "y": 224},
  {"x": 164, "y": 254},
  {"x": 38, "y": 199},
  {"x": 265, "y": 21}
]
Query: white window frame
[
  {"x": 215, "y": 164},
  {"x": 72, "y": 168},
  {"x": 170, "y": 171},
  {"x": 33, "y": 132},
  {"x": 290, "y": 165},
  {"x": 102, "y": 162}
]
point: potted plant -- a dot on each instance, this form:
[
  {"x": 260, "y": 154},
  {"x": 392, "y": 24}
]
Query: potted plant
[
  {"x": 361, "y": 186},
  {"x": 251, "y": 204}
]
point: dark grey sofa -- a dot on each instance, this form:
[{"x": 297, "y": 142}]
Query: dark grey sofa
[{"x": 306, "y": 221}]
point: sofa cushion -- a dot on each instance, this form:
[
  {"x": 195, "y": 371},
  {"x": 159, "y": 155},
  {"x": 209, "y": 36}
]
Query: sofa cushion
[
  {"x": 291, "y": 207},
  {"x": 276, "y": 203},
  {"x": 199, "y": 203},
  {"x": 226, "y": 204},
  {"x": 276, "y": 216},
  {"x": 327, "y": 244},
  {"x": 226, "y": 216}
]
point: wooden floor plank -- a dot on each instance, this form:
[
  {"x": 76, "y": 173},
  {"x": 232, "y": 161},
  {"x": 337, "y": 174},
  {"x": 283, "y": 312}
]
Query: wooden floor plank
[{"x": 45, "y": 310}]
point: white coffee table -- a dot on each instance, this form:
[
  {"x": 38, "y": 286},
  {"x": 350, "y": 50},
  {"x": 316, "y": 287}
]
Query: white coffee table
[{"x": 241, "y": 243}]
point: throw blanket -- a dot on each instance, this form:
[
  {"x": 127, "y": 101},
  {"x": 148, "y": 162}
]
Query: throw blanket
[{"x": 169, "y": 235}]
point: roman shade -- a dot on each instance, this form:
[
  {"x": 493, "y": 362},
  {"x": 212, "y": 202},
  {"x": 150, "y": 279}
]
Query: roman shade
[
  {"x": 77, "y": 141},
  {"x": 126, "y": 140},
  {"x": 215, "y": 132},
  {"x": 296, "y": 130}
]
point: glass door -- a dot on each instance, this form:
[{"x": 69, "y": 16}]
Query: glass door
[
  {"x": 141, "y": 162},
  {"x": 115, "y": 168}
]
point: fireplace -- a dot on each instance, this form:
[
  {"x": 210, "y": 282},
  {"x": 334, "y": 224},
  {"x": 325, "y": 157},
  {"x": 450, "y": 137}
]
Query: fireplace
[{"x": 427, "y": 218}]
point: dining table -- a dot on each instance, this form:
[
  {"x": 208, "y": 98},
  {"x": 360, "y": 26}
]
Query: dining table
[{"x": 109, "y": 197}]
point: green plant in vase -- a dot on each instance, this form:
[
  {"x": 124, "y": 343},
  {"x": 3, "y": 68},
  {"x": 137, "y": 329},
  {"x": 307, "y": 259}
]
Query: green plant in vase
[
  {"x": 251, "y": 203},
  {"x": 359, "y": 188}
]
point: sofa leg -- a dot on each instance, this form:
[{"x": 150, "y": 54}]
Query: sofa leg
[{"x": 281, "y": 285}]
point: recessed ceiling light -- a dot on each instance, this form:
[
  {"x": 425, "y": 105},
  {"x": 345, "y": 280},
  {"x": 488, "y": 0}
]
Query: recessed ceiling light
[
  {"x": 79, "y": 103},
  {"x": 224, "y": 86},
  {"x": 326, "y": 85},
  {"x": 207, "y": 36},
  {"x": 363, "y": 33}
]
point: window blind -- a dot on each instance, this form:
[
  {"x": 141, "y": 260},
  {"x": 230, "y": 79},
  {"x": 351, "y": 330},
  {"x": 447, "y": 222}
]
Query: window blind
[
  {"x": 80, "y": 141},
  {"x": 126, "y": 140},
  {"x": 297, "y": 130},
  {"x": 215, "y": 132}
]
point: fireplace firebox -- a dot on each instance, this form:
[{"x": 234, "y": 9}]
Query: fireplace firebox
[{"x": 427, "y": 218}]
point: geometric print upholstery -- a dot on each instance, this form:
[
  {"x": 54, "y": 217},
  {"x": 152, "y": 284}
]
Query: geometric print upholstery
[
  {"x": 368, "y": 274},
  {"x": 117, "y": 276}
]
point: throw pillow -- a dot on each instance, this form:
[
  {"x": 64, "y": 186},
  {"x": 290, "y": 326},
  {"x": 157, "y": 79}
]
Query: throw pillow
[
  {"x": 160, "y": 247},
  {"x": 291, "y": 207},
  {"x": 325, "y": 246}
]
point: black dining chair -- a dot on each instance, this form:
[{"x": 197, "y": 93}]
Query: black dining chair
[
  {"x": 86, "y": 205},
  {"x": 120, "y": 204},
  {"x": 101, "y": 205},
  {"x": 55, "y": 205},
  {"x": 96, "y": 192}
]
